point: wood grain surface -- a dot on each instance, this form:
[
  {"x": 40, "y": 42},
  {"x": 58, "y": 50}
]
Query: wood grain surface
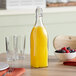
[
  {"x": 55, "y": 68},
  {"x": 71, "y": 3}
]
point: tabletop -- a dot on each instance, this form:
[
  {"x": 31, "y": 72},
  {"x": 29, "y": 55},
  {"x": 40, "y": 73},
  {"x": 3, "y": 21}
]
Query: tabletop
[{"x": 55, "y": 67}]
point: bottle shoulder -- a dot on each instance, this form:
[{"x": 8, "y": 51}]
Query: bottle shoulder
[{"x": 40, "y": 29}]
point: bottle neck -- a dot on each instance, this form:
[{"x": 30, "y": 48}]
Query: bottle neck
[{"x": 39, "y": 21}]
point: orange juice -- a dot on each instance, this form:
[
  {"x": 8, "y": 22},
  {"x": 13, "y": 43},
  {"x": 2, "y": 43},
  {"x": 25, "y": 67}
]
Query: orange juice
[{"x": 39, "y": 50}]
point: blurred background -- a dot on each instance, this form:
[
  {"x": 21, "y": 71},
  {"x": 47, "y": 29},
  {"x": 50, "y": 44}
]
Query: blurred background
[{"x": 19, "y": 19}]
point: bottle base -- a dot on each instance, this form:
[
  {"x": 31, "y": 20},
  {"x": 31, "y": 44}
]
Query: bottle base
[{"x": 39, "y": 66}]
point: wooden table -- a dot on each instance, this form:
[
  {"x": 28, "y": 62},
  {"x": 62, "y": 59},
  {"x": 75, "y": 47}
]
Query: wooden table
[
  {"x": 71, "y": 3},
  {"x": 55, "y": 67}
]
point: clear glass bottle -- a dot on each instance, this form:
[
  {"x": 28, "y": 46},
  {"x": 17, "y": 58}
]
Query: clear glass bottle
[{"x": 39, "y": 42}]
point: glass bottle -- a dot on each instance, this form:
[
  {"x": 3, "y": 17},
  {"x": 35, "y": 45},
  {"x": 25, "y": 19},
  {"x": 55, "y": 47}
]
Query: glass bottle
[{"x": 39, "y": 42}]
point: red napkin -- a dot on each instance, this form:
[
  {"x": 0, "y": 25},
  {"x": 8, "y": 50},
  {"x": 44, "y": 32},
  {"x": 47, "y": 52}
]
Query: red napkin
[
  {"x": 16, "y": 72},
  {"x": 71, "y": 62}
]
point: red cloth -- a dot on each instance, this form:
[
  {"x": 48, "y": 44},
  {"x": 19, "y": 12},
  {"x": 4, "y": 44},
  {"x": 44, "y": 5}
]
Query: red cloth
[
  {"x": 16, "y": 72},
  {"x": 71, "y": 62}
]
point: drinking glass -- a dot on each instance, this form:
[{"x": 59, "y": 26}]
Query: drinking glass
[
  {"x": 15, "y": 47},
  {"x": 21, "y": 46},
  {"x": 52, "y": 1},
  {"x": 63, "y": 1},
  {"x": 11, "y": 48}
]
